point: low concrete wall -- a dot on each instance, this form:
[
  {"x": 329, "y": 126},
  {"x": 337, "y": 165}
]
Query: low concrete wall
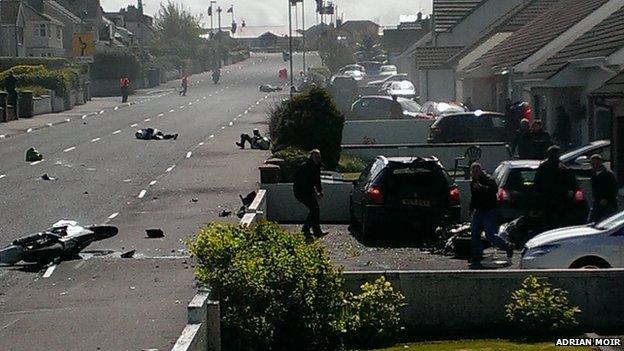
[
  {"x": 203, "y": 329},
  {"x": 395, "y": 131},
  {"x": 58, "y": 104},
  {"x": 493, "y": 153},
  {"x": 106, "y": 87},
  {"x": 282, "y": 207},
  {"x": 475, "y": 300},
  {"x": 42, "y": 105}
]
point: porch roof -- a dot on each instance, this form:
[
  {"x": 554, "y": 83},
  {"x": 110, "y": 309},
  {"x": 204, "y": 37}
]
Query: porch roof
[
  {"x": 601, "y": 41},
  {"x": 613, "y": 87}
]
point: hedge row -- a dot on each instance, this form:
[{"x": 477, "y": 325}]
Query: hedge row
[
  {"x": 114, "y": 63},
  {"x": 59, "y": 80},
  {"x": 51, "y": 63}
]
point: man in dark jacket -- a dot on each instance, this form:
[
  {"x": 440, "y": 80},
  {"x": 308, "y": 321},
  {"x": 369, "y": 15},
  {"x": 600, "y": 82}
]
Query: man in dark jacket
[
  {"x": 10, "y": 84},
  {"x": 563, "y": 128},
  {"x": 540, "y": 141},
  {"x": 483, "y": 204},
  {"x": 554, "y": 184},
  {"x": 604, "y": 190},
  {"x": 522, "y": 144},
  {"x": 308, "y": 190}
]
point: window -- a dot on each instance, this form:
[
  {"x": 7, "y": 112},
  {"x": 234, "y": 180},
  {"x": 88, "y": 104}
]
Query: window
[
  {"x": 59, "y": 33},
  {"x": 42, "y": 30}
]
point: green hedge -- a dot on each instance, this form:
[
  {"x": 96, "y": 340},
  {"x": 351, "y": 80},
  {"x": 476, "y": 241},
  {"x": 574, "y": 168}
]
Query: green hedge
[
  {"x": 114, "y": 63},
  {"x": 59, "y": 80},
  {"x": 51, "y": 63}
]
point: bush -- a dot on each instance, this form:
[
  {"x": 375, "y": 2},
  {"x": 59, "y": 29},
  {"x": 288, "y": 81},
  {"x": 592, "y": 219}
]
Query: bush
[
  {"x": 293, "y": 158},
  {"x": 60, "y": 80},
  {"x": 36, "y": 90},
  {"x": 350, "y": 164},
  {"x": 538, "y": 308},
  {"x": 51, "y": 63},
  {"x": 374, "y": 315},
  {"x": 279, "y": 292},
  {"x": 309, "y": 121},
  {"x": 114, "y": 63}
]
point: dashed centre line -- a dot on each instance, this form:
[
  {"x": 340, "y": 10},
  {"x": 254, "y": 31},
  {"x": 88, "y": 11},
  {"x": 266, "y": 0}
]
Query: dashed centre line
[
  {"x": 161, "y": 114},
  {"x": 113, "y": 215},
  {"x": 189, "y": 154},
  {"x": 117, "y": 131},
  {"x": 36, "y": 163},
  {"x": 70, "y": 149},
  {"x": 134, "y": 125},
  {"x": 142, "y": 193},
  {"x": 152, "y": 182},
  {"x": 170, "y": 169},
  {"x": 2, "y": 176},
  {"x": 147, "y": 119},
  {"x": 95, "y": 140},
  {"x": 171, "y": 111}
]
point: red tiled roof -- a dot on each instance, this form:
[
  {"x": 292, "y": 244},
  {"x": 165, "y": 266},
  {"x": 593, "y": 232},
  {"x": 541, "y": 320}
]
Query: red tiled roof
[
  {"x": 537, "y": 33},
  {"x": 447, "y": 13},
  {"x": 603, "y": 40},
  {"x": 433, "y": 57}
]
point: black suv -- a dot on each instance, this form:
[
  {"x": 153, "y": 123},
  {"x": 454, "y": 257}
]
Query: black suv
[
  {"x": 470, "y": 127},
  {"x": 413, "y": 192}
]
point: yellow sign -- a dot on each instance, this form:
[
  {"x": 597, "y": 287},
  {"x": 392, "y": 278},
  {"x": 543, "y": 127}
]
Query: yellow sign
[{"x": 83, "y": 45}]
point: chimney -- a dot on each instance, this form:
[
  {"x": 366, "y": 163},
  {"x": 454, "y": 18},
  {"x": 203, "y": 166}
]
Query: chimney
[
  {"x": 37, "y": 5},
  {"x": 419, "y": 16}
]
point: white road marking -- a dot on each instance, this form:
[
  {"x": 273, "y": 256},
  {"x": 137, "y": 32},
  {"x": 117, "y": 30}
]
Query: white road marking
[
  {"x": 189, "y": 154},
  {"x": 117, "y": 131},
  {"x": 83, "y": 117},
  {"x": 95, "y": 140},
  {"x": 68, "y": 120},
  {"x": 246, "y": 111},
  {"x": 223, "y": 127},
  {"x": 70, "y": 149},
  {"x": 231, "y": 123},
  {"x": 49, "y": 124},
  {"x": 29, "y": 130},
  {"x": 240, "y": 115},
  {"x": 113, "y": 215},
  {"x": 182, "y": 107},
  {"x": 161, "y": 114},
  {"x": 36, "y": 162},
  {"x": 201, "y": 144},
  {"x": 170, "y": 168},
  {"x": 171, "y": 111},
  {"x": 102, "y": 112},
  {"x": 210, "y": 95},
  {"x": 2, "y": 136},
  {"x": 142, "y": 194},
  {"x": 152, "y": 182},
  {"x": 190, "y": 103},
  {"x": 211, "y": 136},
  {"x": 49, "y": 271},
  {"x": 2, "y": 176},
  {"x": 204, "y": 97},
  {"x": 147, "y": 119},
  {"x": 197, "y": 100},
  {"x": 116, "y": 108},
  {"x": 134, "y": 125}
]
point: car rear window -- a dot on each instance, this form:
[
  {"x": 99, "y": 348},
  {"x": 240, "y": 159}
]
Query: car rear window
[
  {"x": 425, "y": 182},
  {"x": 520, "y": 179}
]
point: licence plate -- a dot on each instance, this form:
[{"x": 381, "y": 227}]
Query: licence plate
[{"x": 416, "y": 202}]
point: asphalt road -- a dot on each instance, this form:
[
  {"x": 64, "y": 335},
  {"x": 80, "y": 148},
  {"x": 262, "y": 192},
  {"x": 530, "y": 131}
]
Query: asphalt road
[
  {"x": 99, "y": 165},
  {"x": 105, "y": 175}
]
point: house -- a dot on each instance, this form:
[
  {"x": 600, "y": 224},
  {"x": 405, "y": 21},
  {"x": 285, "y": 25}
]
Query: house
[
  {"x": 114, "y": 35},
  {"x": 72, "y": 23},
  {"x": 266, "y": 37},
  {"x": 89, "y": 11},
  {"x": 12, "y": 26},
  {"x": 557, "y": 59},
  {"x": 135, "y": 21},
  {"x": 456, "y": 25},
  {"x": 356, "y": 31},
  {"x": 397, "y": 40}
]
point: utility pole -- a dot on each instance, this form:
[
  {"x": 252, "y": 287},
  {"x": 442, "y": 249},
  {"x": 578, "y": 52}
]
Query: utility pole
[
  {"x": 219, "y": 10},
  {"x": 210, "y": 13},
  {"x": 290, "y": 44},
  {"x": 304, "y": 34}
]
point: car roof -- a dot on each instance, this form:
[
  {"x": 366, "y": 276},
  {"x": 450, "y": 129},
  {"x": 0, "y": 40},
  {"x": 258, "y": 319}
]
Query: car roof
[
  {"x": 408, "y": 160},
  {"x": 572, "y": 154},
  {"x": 472, "y": 113},
  {"x": 522, "y": 163},
  {"x": 383, "y": 97}
]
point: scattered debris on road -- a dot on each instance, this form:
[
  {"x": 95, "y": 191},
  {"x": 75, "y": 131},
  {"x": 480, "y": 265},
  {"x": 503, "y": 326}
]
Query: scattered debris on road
[
  {"x": 268, "y": 88},
  {"x": 129, "y": 254},
  {"x": 225, "y": 213},
  {"x": 153, "y": 134},
  {"x": 33, "y": 155},
  {"x": 45, "y": 176},
  {"x": 154, "y": 233}
]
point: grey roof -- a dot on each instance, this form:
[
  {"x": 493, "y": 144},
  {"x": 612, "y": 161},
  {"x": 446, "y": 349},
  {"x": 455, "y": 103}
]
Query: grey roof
[
  {"x": 447, "y": 13},
  {"x": 613, "y": 87},
  {"x": 58, "y": 7},
  {"x": 601, "y": 41}
]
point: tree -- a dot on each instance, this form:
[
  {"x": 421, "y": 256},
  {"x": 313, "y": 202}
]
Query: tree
[{"x": 178, "y": 31}]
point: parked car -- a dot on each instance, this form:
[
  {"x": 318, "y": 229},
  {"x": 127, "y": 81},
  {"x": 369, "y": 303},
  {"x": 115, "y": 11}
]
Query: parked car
[
  {"x": 388, "y": 70},
  {"x": 404, "y": 88},
  {"x": 414, "y": 192},
  {"x": 579, "y": 158},
  {"x": 392, "y": 78},
  {"x": 517, "y": 196},
  {"x": 357, "y": 75},
  {"x": 380, "y": 107},
  {"x": 597, "y": 245},
  {"x": 469, "y": 127},
  {"x": 436, "y": 109},
  {"x": 371, "y": 67},
  {"x": 352, "y": 67}
]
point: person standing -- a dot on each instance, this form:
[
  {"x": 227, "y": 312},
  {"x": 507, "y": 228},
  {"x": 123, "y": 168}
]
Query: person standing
[
  {"x": 124, "y": 86},
  {"x": 604, "y": 189},
  {"x": 184, "y": 85},
  {"x": 396, "y": 110},
  {"x": 10, "y": 84},
  {"x": 308, "y": 190},
  {"x": 540, "y": 141},
  {"x": 563, "y": 128},
  {"x": 552, "y": 183},
  {"x": 483, "y": 206},
  {"x": 522, "y": 144}
]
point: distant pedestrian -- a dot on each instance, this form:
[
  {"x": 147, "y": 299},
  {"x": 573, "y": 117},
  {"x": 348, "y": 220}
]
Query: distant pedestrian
[
  {"x": 257, "y": 141},
  {"x": 124, "y": 87},
  {"x": 308, "y": 190},
  {"x": 563, "y": 128},
  {"x": 10, "y": 84},
  {"x": 540, "y": 141},
  {"x": 522, "y": 144},
  {"x": 483, "y": 205},
  {"x": 604, "y": 189},
  {"x": 184, "y": 85}
]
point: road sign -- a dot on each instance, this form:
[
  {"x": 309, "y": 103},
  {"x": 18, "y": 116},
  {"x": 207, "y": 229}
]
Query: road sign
[{"x": 83, "y": 45}]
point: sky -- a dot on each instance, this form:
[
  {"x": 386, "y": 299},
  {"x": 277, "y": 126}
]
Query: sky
[{"x": 275, "y": 12}]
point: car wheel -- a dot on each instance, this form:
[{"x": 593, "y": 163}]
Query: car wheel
[{"x": 590, "y": 263}]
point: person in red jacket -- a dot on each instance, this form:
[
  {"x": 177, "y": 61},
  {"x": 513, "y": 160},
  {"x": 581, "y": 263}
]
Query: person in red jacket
[
  {"x": 124, "y": 86},
  {"x": 184, "y": 85}
]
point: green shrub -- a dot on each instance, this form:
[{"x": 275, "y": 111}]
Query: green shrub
[
  {"x": 24, "y": 69},
  {"x": 114, "y": 63},
  {"x": 309, "y": 121},
  {"x": 538, "y": 308},
  {"x": 293, "y": 158},
  {"x": 350, "y": 164},
  {"x": 47, "y": 62},
  {"x": 59, "y": 80},
  {"x": 277, "y": 292},
  {"x": 36, "y": 90},
  {"x": 280, "y": 292},
  {"x": 374, "y": 314}
]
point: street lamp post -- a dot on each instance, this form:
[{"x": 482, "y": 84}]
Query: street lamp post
[
  {"x": 211, "y": 18},
  {"x": 290, "y": 44},
  {"x": 219, "y": 17},
  {"x": 303, "y": 33}
]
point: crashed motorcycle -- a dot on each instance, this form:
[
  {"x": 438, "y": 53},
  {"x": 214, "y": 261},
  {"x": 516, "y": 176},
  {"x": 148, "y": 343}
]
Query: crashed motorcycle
[{"x": 65, "y": 240}]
